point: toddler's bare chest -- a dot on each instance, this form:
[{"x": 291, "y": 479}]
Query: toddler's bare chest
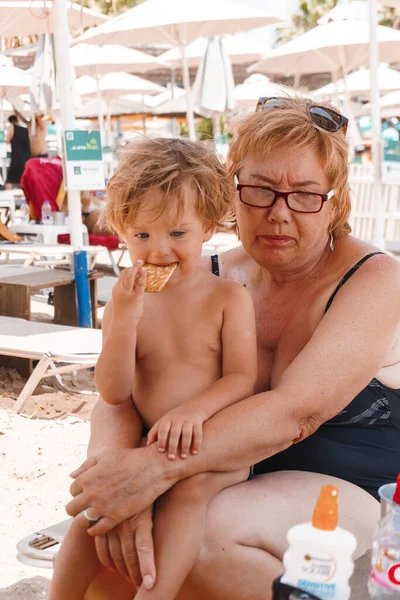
[{"x": 187, "y": 333}]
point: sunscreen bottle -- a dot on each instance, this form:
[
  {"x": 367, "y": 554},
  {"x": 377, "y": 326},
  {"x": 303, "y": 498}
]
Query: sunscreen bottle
[{"x": 319, "y": 557}]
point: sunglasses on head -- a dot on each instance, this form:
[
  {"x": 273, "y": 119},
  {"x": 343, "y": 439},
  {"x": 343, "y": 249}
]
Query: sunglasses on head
[
  {"x": 326, "y": 118},
  {"x": 284, "y": 591}
]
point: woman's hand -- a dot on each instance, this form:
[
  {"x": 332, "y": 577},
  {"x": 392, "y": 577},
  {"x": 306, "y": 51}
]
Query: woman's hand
[
  {"x": 120, "y": 484},
  {"x": 129, "y": 549}
]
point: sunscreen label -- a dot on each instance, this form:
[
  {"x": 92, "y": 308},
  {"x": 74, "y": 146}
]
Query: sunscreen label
[{"x": 317, "y": 573}]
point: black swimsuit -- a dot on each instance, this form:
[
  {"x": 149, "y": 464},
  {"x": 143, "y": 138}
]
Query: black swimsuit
[{"x": 361, "y": 444}]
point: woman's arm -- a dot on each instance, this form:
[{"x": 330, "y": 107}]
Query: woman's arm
[{"x": 344, "y": 354}]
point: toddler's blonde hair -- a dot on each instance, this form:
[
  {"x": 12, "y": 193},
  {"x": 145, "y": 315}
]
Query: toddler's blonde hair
[{"x": 166, "y": 164}]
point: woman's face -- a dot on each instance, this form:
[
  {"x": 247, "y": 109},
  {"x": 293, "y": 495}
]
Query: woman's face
[{"x": 277, "y": 236}]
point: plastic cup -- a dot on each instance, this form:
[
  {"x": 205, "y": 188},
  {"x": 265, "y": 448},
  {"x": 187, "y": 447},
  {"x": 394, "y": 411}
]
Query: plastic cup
[
  {"x": 58, "y": 218},
  {"x": 386, "y": 493}
]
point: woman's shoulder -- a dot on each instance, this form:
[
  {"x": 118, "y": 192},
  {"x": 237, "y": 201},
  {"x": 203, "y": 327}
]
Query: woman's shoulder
[{"x": 353, "y": 253}]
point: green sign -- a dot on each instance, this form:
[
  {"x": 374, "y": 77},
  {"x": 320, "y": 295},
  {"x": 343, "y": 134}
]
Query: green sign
[
  {"x": 83, "y": 145},
  {"x": 3, "y": 147},
  {"x": 391, "y": 151},
  {"x": 84, "y": 160}
]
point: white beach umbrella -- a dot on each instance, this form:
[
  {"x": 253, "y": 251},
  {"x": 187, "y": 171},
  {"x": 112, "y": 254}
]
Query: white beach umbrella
[
  {"x": 358, "y": 83},
  {"x": 43, "y": 86},
  {"x": 256, "y": 86},
  {"x": 239, "y": 50},
  {"x": 28, "y": 17},
  {"x": 175, "y": 107},
  {"x": 94, "y": 60},
  {"x": 179, "y": 22},
  {"x": 213, "y": 89},
  {"x": 12, "y": 80},
  {"x": 115, "y": 107},
  {"x": 338, "y": 47},
  {"x": 113, "y": 85},
  {"x": 151, "y": 101}
]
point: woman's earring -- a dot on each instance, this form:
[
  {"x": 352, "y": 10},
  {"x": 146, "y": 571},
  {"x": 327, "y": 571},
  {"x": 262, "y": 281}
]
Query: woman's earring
[
  {"x": 237, "y": 232},
  {"x": 331, "y": 246}
]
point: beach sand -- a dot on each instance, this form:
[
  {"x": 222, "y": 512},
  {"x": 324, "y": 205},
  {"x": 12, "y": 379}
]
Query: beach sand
[{"x": 38, "y": 450}]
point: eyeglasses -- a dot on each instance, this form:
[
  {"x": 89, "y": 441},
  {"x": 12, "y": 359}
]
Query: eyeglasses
[
  {"x": 259, "y": 196},
  {"x": 283, "y": 591},
  {"x": 324, "y": 117}
]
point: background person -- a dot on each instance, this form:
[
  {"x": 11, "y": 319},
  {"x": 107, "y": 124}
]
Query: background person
[
  {"x": 328, "y": 391},
  {"x": 18, "y": 137},
  {"x": 37, "y": 134}
]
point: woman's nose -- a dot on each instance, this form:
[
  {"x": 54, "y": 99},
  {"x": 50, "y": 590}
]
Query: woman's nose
[{"x": 279, "y": 211}]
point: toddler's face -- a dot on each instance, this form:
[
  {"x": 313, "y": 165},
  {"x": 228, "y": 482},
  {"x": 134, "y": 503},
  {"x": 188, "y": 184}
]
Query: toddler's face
[{"x": 161, "y": 239}]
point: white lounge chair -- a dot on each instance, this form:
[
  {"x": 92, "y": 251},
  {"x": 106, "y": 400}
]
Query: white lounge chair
[
  {"x": 76, "y": 347},
  {"x": 39, "y": 549}
]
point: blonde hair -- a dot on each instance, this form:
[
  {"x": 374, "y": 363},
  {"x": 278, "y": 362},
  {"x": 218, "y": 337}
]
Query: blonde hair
[
  {"x": 287, "y": 127},
  {"x": 166, "y": 164}
]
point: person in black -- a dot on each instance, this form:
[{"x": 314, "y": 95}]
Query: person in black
[{"x": 18, "y": 137}]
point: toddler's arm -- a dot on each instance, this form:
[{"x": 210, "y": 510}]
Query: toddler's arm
[
  {"x": 239, "y": 372},
  {"x": 115, "y": 370}
]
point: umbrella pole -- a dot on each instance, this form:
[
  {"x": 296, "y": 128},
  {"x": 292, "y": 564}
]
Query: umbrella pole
[
  {"x": 66, "y": 89},
  {"x": 188, "y": 90},
  {"x": 100, "y": 113},
  {"x": 378, "y": 238}
]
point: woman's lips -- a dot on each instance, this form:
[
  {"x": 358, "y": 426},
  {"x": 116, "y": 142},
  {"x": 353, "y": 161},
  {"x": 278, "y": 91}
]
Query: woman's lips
[{"x": 276, "y": 240}]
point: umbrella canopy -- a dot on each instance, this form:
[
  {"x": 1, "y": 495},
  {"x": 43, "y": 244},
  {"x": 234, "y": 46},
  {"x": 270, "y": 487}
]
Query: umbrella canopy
[
  {"x": 149, "y": 101},
  {"x": 255, "y": 86},
  {"x": 238, "y": 49},
  {"x": 11, "y": 77},
  {"x": 113, "y": 85},
  {"x": 213, "y": 90},
  {"x": 179, "y": 22},
  {"x": 27, "y": 17},
  {"x": 174, "y": 107},
  {"x": 90, "y": 59},
  {"x": 43, "y": 86},
  {"x": 359, "y": 84},
  {"x": 358, "y": 9},
  {"x": 338, "y": 46},
  {"x": 115, "y": 107}
]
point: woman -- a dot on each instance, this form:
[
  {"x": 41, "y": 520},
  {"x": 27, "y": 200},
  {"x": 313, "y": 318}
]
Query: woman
[
  {"x": 328, "y": 401},
  {"x": 18, "y": 137}
]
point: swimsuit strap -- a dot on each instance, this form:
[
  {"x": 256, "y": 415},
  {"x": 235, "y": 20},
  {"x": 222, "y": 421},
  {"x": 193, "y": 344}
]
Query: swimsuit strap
[
  {"x": 215, "y": 265},
  {"x": 348, "y": 275}
]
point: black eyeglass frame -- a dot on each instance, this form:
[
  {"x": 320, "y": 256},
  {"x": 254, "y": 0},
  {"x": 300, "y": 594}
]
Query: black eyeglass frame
[
  {"x": 285, "y": 196},
  {"x": 315, "y": 116}
]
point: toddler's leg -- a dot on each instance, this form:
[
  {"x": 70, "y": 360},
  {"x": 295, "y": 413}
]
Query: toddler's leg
[
  {"x": 76, "y": 565},
  {"x": 180, "y": 516}
]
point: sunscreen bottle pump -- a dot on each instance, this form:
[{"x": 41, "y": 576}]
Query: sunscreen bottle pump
[{"x": 319, "y": 557}]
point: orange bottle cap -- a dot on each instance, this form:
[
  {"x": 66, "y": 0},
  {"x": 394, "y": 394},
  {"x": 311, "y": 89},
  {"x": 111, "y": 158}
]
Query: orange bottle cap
[{"x": 325, "y": 514}]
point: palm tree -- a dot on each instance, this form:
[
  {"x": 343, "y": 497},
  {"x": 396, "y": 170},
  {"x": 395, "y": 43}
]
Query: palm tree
[
  {"x": 113, "y": 7},
  {"x": 306, "y": 18}
]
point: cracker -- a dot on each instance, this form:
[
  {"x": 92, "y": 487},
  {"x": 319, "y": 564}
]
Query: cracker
[{"x": 157, "y": 276}]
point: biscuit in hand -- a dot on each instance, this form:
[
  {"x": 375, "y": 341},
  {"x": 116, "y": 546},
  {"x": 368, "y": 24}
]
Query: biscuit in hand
[{"x": 157, "y": 276}]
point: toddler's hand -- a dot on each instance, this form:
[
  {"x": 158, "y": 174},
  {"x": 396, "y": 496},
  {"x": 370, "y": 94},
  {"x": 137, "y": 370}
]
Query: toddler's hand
[
  {"x": 128, "y": 292},
  {"x": 179, "y": 427}
]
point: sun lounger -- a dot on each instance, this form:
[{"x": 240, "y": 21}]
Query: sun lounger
[
  {"x": 76, "y": 347},
  {"x": 49, "y": 255},
  {"x": 40, "y": 548}
]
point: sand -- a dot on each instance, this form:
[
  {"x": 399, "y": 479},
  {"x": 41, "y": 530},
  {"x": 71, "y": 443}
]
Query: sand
[{"x": 38, "y": 450}]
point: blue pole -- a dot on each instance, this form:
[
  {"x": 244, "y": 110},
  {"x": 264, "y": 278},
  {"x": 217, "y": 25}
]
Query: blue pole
[{"x": 82, "y": 289}]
